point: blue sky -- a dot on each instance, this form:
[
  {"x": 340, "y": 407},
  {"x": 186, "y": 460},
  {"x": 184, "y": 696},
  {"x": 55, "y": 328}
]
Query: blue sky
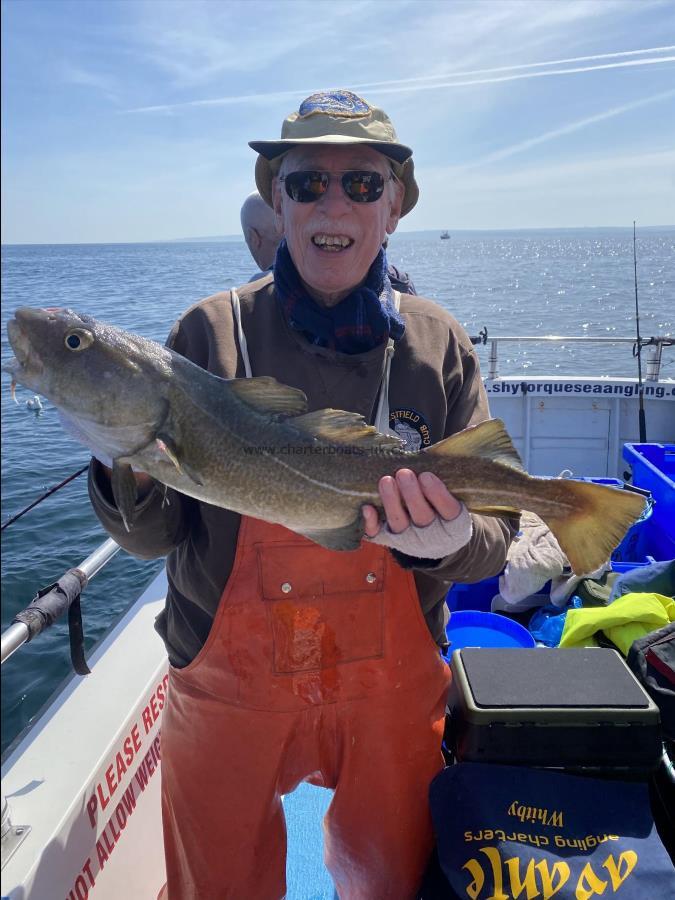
[{"x": 129, "y": 121}]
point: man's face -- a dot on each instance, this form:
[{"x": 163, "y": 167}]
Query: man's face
[{"x": 329, "y": 271}]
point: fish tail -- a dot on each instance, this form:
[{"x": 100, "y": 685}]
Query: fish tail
[{"x": 594, "y": 522}]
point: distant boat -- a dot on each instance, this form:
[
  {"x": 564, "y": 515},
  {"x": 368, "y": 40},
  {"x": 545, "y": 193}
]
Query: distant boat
[{"x": 445, "y": 235}]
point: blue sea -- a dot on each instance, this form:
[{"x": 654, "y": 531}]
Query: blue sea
[{"x": 570, "y": 282}]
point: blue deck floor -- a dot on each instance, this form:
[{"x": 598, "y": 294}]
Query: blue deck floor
[{"x": 306, "y": 875}]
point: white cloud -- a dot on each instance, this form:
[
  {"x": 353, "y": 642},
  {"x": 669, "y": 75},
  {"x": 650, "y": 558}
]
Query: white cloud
[
  {"x": 74, "y": 74},
  {"x": 607, "y": 190},
  {"x": 570, "y": 128},
  {"x": 536, "y": 176},
  {"x": 201, "y": 41}
]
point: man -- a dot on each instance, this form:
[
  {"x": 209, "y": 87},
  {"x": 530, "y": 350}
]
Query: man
[
  {"x": 262, "y": 240},
  {"x": 400, "y": 281},
  {"x": 291, "y": 662}
]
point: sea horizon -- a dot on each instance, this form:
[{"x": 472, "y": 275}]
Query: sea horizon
[{"x": 239, "y": 238}]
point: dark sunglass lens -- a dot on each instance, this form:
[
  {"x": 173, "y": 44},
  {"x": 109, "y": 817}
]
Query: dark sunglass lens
[
  {"x": 363, "y": 187},
  {"x": 305, "y": 187}
]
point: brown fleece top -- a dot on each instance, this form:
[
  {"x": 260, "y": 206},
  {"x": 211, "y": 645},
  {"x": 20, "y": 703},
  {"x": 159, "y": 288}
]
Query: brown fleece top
[{"x": 435, "y": 390}]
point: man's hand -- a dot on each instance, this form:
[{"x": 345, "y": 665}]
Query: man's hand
[{"x": 408, "y": 499}]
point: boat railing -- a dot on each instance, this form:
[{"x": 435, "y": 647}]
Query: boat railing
[
  {"x": 19, "y": 632},
  {"x": 654, "y": 345}
]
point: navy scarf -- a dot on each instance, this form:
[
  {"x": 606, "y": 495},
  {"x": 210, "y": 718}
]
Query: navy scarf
[{"x": 365, "y": 318}]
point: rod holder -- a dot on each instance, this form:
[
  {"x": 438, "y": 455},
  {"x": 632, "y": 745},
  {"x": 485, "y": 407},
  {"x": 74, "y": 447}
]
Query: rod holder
[
  {"x": 11, "y": 836},
  {"x": 653, "y": 363}
]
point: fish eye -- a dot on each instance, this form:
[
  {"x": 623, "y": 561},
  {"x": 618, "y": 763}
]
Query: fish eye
[{"x": 78, "y": 339}]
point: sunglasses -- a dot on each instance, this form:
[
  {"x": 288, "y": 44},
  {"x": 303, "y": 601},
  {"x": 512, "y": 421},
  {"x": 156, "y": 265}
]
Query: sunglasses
[{"x": 360, "y": 187}]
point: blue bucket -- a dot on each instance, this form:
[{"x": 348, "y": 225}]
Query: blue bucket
[{"x": 471, "y": 628}]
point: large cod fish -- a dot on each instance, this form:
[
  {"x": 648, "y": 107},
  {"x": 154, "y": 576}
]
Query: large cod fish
[{"x": 251, "y": 446}]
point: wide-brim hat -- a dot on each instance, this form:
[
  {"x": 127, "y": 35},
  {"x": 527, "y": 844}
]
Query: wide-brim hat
[{"x": 338, "y": 118}]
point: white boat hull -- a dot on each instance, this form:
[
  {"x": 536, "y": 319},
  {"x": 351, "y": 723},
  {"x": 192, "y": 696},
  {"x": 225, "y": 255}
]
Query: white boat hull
[{"x": 85, "y": 779}]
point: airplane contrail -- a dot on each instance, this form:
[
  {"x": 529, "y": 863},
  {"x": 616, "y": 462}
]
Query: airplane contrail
[
  {"x": 415, "y": 84},
  {"x": 548, "y": 73},
  {"x": 537, "y": 65},
  {"x": 563, "y": 130}
]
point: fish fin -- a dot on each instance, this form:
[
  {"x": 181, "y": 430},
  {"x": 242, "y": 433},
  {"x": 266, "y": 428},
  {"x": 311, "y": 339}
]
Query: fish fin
[
  {"x": 337, "y": 426},
  {"x": 124, "y": 491},
  {"x": 346, "y": 538},
  {"x": 495, "y": 510},
  {"x": 168, "y": 448},
  {"x": 595, "y": 522},
  {"x": 488, "y": 440},
  {"x": 267, "y": 395}
]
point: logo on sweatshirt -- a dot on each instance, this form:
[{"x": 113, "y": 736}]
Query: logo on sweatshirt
[{"x": 411, "y": 427}]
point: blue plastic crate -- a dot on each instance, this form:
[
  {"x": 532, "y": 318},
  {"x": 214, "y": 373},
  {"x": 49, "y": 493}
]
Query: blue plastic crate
[
  {"x": 473, "y": 596},
  {"x": 622, "y": 567},
  {"x": 653, "y": 467}
]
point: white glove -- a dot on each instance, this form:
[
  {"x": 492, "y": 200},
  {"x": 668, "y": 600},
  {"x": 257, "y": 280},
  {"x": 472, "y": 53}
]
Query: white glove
[
  {"x": 534, "y": 558},
  {"x": 437, "y": 540}
]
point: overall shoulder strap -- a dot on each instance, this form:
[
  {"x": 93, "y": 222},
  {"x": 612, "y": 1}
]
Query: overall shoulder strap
[
  {"x": 382, "y": 415},
  {"x": 243, "y": 346}
]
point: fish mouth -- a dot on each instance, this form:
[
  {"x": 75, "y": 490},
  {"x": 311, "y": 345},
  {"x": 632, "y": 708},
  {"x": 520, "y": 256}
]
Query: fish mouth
[
  {"x": 26, "y": 363},
  {"x": 19, "y": 342}
]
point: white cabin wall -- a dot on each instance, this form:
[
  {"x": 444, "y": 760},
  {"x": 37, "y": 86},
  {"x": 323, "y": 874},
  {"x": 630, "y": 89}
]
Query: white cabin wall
[{"x": 582, "y": 432}]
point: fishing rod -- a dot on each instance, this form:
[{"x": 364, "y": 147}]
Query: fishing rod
[
  {"x": 638, "y": 352},
  {"x": 44, "y": 497}
]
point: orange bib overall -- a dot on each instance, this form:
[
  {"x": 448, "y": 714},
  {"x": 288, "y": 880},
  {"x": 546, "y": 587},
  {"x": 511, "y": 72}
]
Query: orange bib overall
[{"x": 319, "y": 667}]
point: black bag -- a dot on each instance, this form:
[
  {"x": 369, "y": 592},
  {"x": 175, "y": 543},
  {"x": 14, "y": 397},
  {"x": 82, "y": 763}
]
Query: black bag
[{"x": 652, "y": 659}]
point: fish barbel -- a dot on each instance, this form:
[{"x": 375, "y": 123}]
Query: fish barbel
[{"x": 250, "y": 445}]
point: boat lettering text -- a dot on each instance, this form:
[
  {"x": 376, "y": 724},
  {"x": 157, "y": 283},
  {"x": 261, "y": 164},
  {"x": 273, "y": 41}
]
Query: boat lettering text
[
  {"x": 80, "y": 890},
  {"x": 660, "y": 391},
  {"x": 155, "y": 706},
  {"x": 114, "y": 827},
  {"x": 128, "y": 751},
  {"x": 114, "y": 774}
]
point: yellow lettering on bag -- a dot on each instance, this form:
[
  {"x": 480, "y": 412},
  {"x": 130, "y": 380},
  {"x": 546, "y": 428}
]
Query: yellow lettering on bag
[
  {"x": 548, "y": 886},
  {"x": 527, "y": 884},
  {"x": 496, "y": 864},
  {"x": 589, "y": 884},
  {"x": 629, "y": 860},
  {"x": 475, "y": 870}
]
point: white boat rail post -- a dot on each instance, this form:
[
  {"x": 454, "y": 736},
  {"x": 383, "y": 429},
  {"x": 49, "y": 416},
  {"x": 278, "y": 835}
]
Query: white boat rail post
[
  {"x": 19, "y": 633},
  {"x": 492, "y": 374},
  {"x": 656, "y": 345}
]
